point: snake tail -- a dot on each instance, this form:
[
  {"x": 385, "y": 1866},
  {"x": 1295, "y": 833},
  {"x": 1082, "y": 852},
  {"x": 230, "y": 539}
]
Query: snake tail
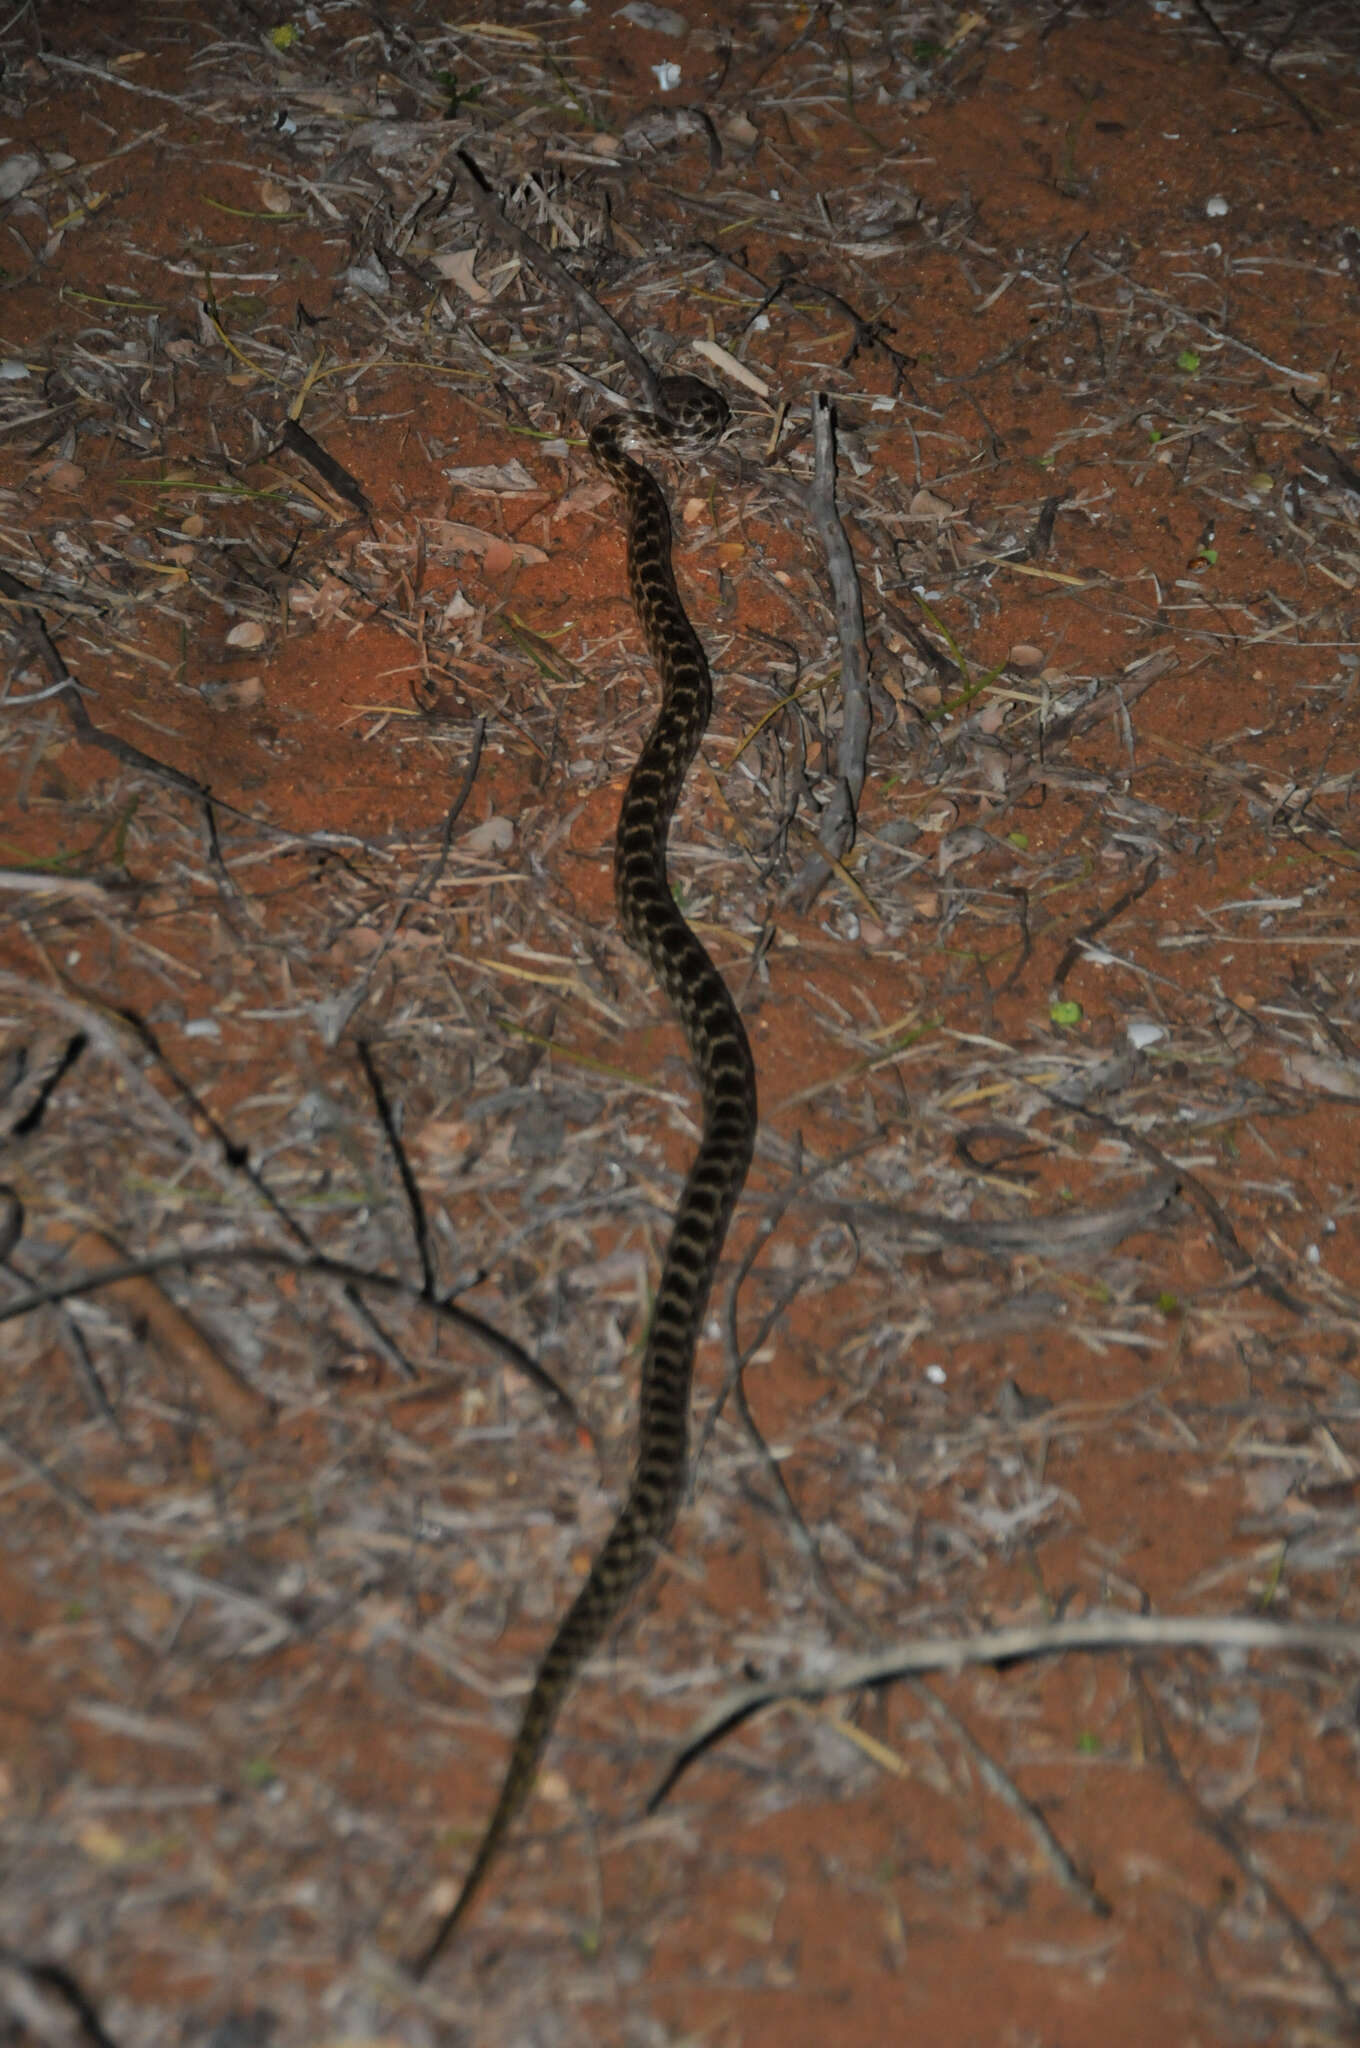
[{"x": 721, "y": 1055}]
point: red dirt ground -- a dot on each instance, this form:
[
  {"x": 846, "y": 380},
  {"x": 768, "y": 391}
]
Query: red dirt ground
[{"x": 267, "y": 1604}]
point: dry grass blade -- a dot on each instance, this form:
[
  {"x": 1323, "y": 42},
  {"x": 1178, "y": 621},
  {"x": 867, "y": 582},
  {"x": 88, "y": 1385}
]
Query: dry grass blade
[{"x": 321, "y": 687}]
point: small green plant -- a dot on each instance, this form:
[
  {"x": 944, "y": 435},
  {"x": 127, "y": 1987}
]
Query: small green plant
[
  {"x": 458, "y": 96},
  {"x": 973, "y": 686}
]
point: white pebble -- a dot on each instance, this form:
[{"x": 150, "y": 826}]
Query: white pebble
[{"x": 1142, "y": 1032}]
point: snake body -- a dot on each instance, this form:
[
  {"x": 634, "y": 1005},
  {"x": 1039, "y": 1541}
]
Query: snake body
[{"x": 721, "y": 1053}]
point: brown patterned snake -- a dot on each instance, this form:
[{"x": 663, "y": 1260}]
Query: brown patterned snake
[{"x": 722, "y": 1060}]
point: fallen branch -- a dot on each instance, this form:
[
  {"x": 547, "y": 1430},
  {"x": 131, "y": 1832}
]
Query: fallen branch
[
  {"x": 837, "y": 832},
  {"x": 1010, "y": 1646}
]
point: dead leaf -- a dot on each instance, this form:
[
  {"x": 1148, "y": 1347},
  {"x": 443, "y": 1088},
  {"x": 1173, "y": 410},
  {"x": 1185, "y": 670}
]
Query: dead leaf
[
  {"x": 57, "y": 476},
  {"x": 453, "y": 535},
  {"x": 17, "y": 172},
  {"x": 508, "y": 477},
  {"x": 1340, "y": 1078},
  {"x": 102, "y": 1844},
  {"x": 456, "y": 265},
  {"x": 499, "y": 558},
  {"x": 497, "y": 835},
  {"x": 938, "y": 816},
  {"x": 925, "y": 505},
  {"x": 322, "y": 604},
  {"x": 659, "y": 21}
]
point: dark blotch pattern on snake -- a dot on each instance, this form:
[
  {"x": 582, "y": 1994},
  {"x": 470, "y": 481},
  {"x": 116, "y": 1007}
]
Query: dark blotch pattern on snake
[{"x": 722, "y": 1060}]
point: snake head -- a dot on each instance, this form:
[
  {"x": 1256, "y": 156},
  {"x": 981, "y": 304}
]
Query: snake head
[{"x": 695, "y": 413}]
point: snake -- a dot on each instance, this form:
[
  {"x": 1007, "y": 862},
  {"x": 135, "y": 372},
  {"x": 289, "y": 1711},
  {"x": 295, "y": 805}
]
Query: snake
[{"x": 694, "y": 415}]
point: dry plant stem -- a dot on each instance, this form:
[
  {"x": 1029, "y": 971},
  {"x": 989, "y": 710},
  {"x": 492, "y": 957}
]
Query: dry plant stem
[
  {"x": 1227, "y": 1837},
  {"x": 1046, "y": 1237},
  {"x": 67, "y": 689},
  {"x": 122, "y": 427},
  {"x": 171, "y": 1332},
  {"x": 236, "y": 1158},
  {"x": 202, "y": 1258},
  {"x": 55, "y": 1978},
  {"x": 734, "y": 1381},
  {"x": 1079, "y": 941},
  {"x": 1003, "y": 1787},
  {"x": 58, "y": 1488},
  {"x": 838, "y": 826},
  {"x": 778, "y": 1206},
  {"x": 478, "y": 194},
  {"x": 837, "y": 831},
  {"x": 1010, "y": 1645},
  {"x": 1124, "y": 690},
  {"x": 324, "y": 463},
  {"x": 1237, "y": 51},
  {"x": 345, "y": 1007},
  {"x": 90, "y": 734},
  {"x": 420, "y": 1226},
  {"x": 786, "y": 1508},
  {"x": 1238, "y": 1257}
]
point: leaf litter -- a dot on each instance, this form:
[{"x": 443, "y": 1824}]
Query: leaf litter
[{"x": 322, "y": 685}]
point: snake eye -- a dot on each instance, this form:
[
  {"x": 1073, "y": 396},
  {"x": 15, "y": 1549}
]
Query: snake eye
[{"x": 653, "y": 923}]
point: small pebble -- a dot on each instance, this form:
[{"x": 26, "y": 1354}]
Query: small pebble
[{"x": 1142, "y": 1032}]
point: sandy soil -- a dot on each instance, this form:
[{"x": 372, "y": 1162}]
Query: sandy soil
[{"x": 1043, "y": 1300}]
